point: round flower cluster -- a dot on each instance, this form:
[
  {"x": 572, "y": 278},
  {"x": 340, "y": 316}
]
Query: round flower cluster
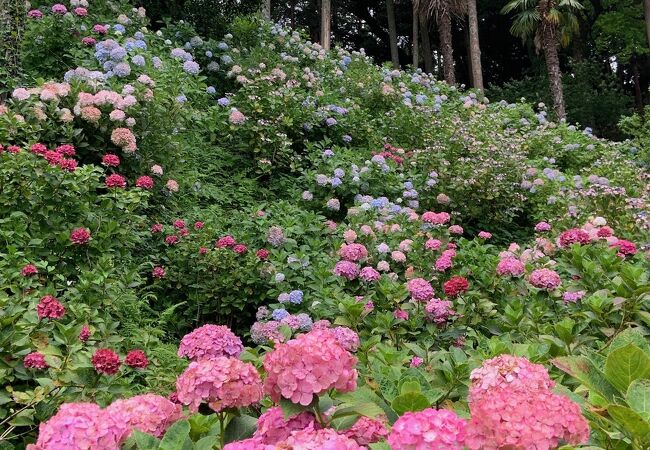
[
  {"x": 432, "y": 244},
  {"x": 367, "y": 431},
  {"x": 144, "y": 182},
  {"x": 542, "y": 227},
  {"x": 225, "y": 242},
  {"x": 80, "y": 236},
  {"x": 438, "y": 311},
  {"x": 625, "y": 248},
  {"x": 485, "y": 235},
  {"x": 346, "y": 269},
  {"x": 266, "y": 332},
  {"x": 220, "y": 382},
  {"x": 573, "y": 297},
  {"x": 136, "y": 359},
  {"x": 125, "y": 139},
  {"x": 115, "y": 180},
  {"x": 106, "y": 361},
  {"x": 149, "y": 413},
  {"x": 420, "y": 289},
  {"x": 158, "y": 272},
  {"x": 436, "y": 218},
  {"x": 428, "y": 429},
  {"x": 369, "y": 274},
  {"x": 272, "y": 427},
  {"x": 111, "y": 160},
  {"x": 510, "y": 266},
  {"x": 545, "y": 279},
  {"x": 573, "y": 236},
  {"x": 309, "y": 365},
  {"x": 353, "y": 252},
  {"x": 50, "y": 307},
  {"x": 455, "y": 286},
  {"x": 210, "y": 341},
  {"x": 311, "y": 438},
  {"x": 35, "y": 360},
  {"x": 348, "y": 338},
  {"x": 29, "y": 270},
  {"x": 275, "y": 236},
  {"x": 508, "y": 372}
]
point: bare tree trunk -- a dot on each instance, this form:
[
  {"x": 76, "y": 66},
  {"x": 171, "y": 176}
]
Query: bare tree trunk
[
  {"x": 392, "y": 32},
  {"x": 636, "y": 77},
  {"x": 427, "y": 55},
  {"x": 416, "y": 36},
  {"x": 475, "y": 48},
  {"x": 550, "y": 44},
  {"x": 646, "y": 7},
  {"x": 12, "y": 26},
  {"x": 266, "y": 10},
  {"x": 326, "y": 24},
  {"x": 446, "y": 48}
]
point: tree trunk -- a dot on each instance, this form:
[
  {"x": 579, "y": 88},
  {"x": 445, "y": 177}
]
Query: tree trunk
[
  {"x": 266, "y": 10},
  {"x": 416, "y": 37},
  {"x": 326, "y": 23},
  {"x": 646, "y": 7},
  {"x": 636, "y": 78},
  {"x": 427, "y": 55},
  {"x": 474, "y": 46},
  {"x": 446, "y": 48},
  {"x": 12, "y": 26},
  {"x": 550, "y": 44},
  {"x": 392, "y": 32}
]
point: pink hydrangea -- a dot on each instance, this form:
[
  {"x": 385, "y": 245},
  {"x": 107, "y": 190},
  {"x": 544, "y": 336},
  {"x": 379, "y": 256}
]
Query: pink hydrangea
[
  {"x": 397, "y": 256},
  {"x": 210, "y": 341},
  {"x": 510, "y": 267},
  {"x": 383, "y": 266},
  {"x": 573, "y": 236},
  {"x": 420, "y": 289},
  {"x": 50, "y": 308},
  {"x": 35, "y": 14},
  {"x": 144, "y": 182},
  {"x": 508, "y": 372},
  {"x": 346, "y": 337},
  {"x": 115, "y": 181},
  {"x": 428, "y": 429},
  {"x": 58, "y": 8},
  {"x": 545, "y": 279},
  {"x": 416, "y": 361},
  {"x": 111, "y": 160},
  {"x": 485, "y": 235},
  {"x": 81, "y": 12},
  {"x": 400, "y": 314},
  {"x": 80, "y": 236},
  {"x": 236, "y": 117},
  {"x": 91, "y": 114},
  {"x": 156, "y": 170},
  {"x": 605, "y": 232},
  {"x": 309, "y": 365},
  {"x": 369, "y": 274},
  {"x": 172, "y": 185},
  {"x": 443, "y": 263},
  {"x": 311, "y": 438},
  {"x": 346, "y": 269},
  {"x": 158, "y": 272},
  {"x": 221, "y": 382},
  {"x": 573, "y": 296},
  {"x": 124, "y": 138},
  {"x": 432, "y": 244},
  {"x": 149, "y": 413},
  {"x": 542, "y": 227},
  {"x": 456, "y": 229},
  {"x": 349, "y": 236},
  {"x": 240, "y": 249},
  {"x": 405, "y": 245},
  {"x": 272, "y": 427},
  {"x": 367, "y": 431},
  {"x": 436, "y": 218},
  {"x": 78, "y": 426},
  {"x": 84, "y": 334},
  {"x": 225, "y": 242},
  {"x": 249, "y": 444},
  {"x": 625, "y": 248},
  {"x": 35, "y": 360},
  {"x": 353, "y": 252},
  {"x": 439, "y": 311},
  {"x": 136, "y": 359},
  {"x": 172, "y": 239},
  {"x": 29, "y": 270}
]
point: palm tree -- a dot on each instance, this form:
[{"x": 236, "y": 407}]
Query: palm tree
[
  {"x": 326, "y": 23},
  {"x": 442, "y": 11},
  {"x": 550, "y": 23},
  {"x": 266, "y": 9},
  {"x": 392, "y": 32},
  {"x": 474, "y": 46},
  {"x": 416, "y": 29}
]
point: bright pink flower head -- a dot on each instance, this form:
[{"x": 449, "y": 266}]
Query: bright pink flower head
[
  {"x": 66, "y": 149},
  {"x": 52, "y": 157},
  {"x": 353, "y": 252},
  {"x": 573, "y": 236},
  {"x": 573, "y": 296},
  {"x": 545, "y": 279},
  {"x": 210, "y": 341},
  {"x": 605, "y": 232},
  {"x": 13, "y": 149},
  {"x": 115, "y": 181},
  {"x": 346, "y": 337},
  {"x": 240, "y": 249},
  {"x": 455, "y": 286},
  {"x": 508, "y": 372},
  {"x": 347, "y": 270},
  {"x": 69, "y": 165},
  {"x": 485, "y": 235},
  {"x": 144, "y": 182},
  {"x": 309, "y": 365},
  {"x": 203, "y": 250},
  {"x": 50, "y": 308},
  {"x": 432, "y": 244},
  {"x": 416, "y": 361},
  {"x": 60, "y": 9},
  {"x": 179, "y": 223},
  {"x": 542, "y": 227},
  {"x": 136, "y": 359},
  {"x": 198, "y": 225},
  {"x": 29, "y": 270},
  {"x": 367, "y": 431},
  {"x": 262, "y": 254},
  {"x": 397, "y": 256},
  {"x": 625, "y": 248},
  {"x": 100, "y": 29},
  {"x": 220, "y": 382},
  {"x": 158, "y": 272},
  {"x": 456, "y": 229},
  {"x": 38, "y": 149},
  {"x": 84, "y": 334},
  {"x": 400, "y": 314},
  {"x": 273, "y": 428},
  {"x": 428, "y": 429},
  {"x": 172, "y": 239},
  {"x": 35, "y": 14},
  {"x": 225, "y": 242},
  {"x": 439, "y": 311},
  {"x": 443, "y": 263},
  {"x": 106, "y": 361},
  {"x": 111, "y": 160},
  {"x": 149, "y": 413},
  {"x": 35, "y": 360},
  {"x": 81, "y": 12},
  {"x": 420, "y": 289},
  {"x": 319, "y": 439},
  {"x": 510, "y": 267},
  {"x": 88, "y": 40},
  {"x": 78, "y": 426},
  {"x": 369, "y": 274},
  {"x": 156, "y": 228},
  {"x": 436, "y": 218}
]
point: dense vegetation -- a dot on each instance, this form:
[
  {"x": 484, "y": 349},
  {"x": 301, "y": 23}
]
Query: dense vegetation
[{"x": 349, "y": 255}]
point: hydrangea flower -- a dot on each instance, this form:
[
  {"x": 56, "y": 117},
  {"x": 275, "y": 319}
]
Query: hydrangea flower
[
  {"x": 420, "y": 289},
  {"x": 210, "y": 341},
  {"x": 149, "y": 413},
  {"x": 545, "y": 279},
  {"x": 510, "y": 266},
  {"x": 353, "y": 252},
  {"x": 272, "y": 427},
  {"x": 428, "y": 429}
]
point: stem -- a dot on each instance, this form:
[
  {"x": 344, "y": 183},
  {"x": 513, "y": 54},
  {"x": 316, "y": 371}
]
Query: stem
[
  {"x": 222, "y": 429},
  {"x": 319, "y": 416}
]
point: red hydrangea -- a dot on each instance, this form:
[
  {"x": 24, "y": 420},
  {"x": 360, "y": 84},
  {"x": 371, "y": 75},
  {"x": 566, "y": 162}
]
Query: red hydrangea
[
  {"x": 240, "y": 249},
  {"x": 210, "y": 341},
  {"x": 115, "y": 180},
  {"x": 220, "y": 382},
  {"x": 262, "y": 254},
  {"x": 149, "y": 413},
  {"x": 84, "y": 334},
  {"x": 38, "y": 149},
  {"x": 573, "y": 236},
  {"x": 136, "y": 359},
  {"x": 420, "y": 289},
  {"x": 428, "y": 429},
  {"x": 80, "y": 236},
  {"x": 106, "y": 361},
  {"x": 144, "y": 182},
  {"x": 111, "y": 160},
  {"x": 625, "y": 248},
  {"x": 455, "y": 286},
  {"x": 172, "y": 239},
  {"x": 35, "y": 360},
  {"x": 309, "y": 365},
  {"x": 50, "y": 308},
  {"x": 225, "y": 242},
  {"x": 69, "y": 165},
  {"x": 29, "y": 270}
]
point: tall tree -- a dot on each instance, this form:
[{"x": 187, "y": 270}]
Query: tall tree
[
  {"x": 266, "y": 9},
  {"x": 646, "y": 9},
  {"x": 416, "y": 33},
  {"x": 474, "y": 46},
  {"x": 427, "y": 54},
  {"x": 326, "y": 23},
  {"x": 549, "y": 23},
  {"x": 442, "y": 11},
  {"x": 392, "y": 32},
  {"x": 12, "y": 25}
]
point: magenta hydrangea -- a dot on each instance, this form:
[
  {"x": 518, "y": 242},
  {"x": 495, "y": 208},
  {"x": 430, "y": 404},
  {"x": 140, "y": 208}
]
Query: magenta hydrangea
[
  {"x": 309, "y": 365},
  {"x": 210, "y": 341},
  {"x": 428, "y": 429},
  {"x": 438, "y": 311},
  {"x": 353, "y": 252},
  {"x": 420, "y": 289},
  {"x": 149, "y": 413},
  {"x": 573, "y": 236},
  {"x": 348, "y": 338},
  {"x": 545, "y": 279},
  {"x": 272, "y": 427},
  {"x": 347, "y": 270},
  {"x": 367, "y": 430},
  {"x": 369, "y": 274},
  {"x": 220, "y": 382},
  {"x": 511, "y": 267}
]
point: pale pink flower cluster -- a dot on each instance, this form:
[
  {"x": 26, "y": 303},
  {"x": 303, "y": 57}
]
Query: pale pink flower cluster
[
  {"x": 220, "y": 382},
  {"x": 439, "y": 311},
  {"x": 353, "y": 252},
  {"x": 420, "y": 289},
  {"x": 148, "y": 413},
  {"x": 510, "y": 267},
  {"x": 369, "y": 274},
  {"x": 273, "y": 428},
  {"x": 210, "y": 341},
  {"x": 367, "y": 431},
  {"x": 436, "y": 218},
  {"x": 319, "y": 439},
  {"x": 125, "y": 139},
  {"x": 309, "y": 365},
  {"x": 545, "y": 279},
  {"x": 429, "y": 429},
  {"x": 397, "y": 256},
  {"x": 349, "y": 236},
  {"x": 347, "y": 337},
  {"x": 432, "y": 244}
]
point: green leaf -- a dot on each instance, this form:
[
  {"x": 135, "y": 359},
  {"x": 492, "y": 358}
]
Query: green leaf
[
  {"x": 411, "y": 401},
  {"x": 633, "y": 423},
  {"x": 144, "y": 441},
  {"x": 290, "y": 409},
  {"x": 626, "y": 364},
  {"x": 584, "y": 371},
  {"x": 367, "y": 409},
  {"x": 379, "y": 446},
  {"x": 638, "y": 397},
  {"x": 206, "y": 443},
  {"x": 630, "y": 336},
  {"x": 176, "y": 437},
  {"x": 240, "y": 428},
  {"x": 409, "y": 384}
]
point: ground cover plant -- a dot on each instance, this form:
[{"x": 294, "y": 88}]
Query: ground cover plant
[{"x": 252, "y": 243}]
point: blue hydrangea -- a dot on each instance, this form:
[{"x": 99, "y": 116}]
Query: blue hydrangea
[
  {"x": 336, "y": 182},
  {"x": 304, "y": 321},
  {"x": 222, "y": 46},
  {"x": 181, "y": 98},
  {"x": 330, "y": 121},
  {"x": 223, "y": 101},
  {"x": 208, "y": 53},
  {"x": 347, "y": 138},
  {"x": 119, "y": 28},
  {"x": 138, "y": 35},
  {"x": 210, "y": 90},
  {"x": 226, "y": 59},
  {"x": 279, "y": 277},
  {"x": 138, "y": 60},
  {"x": 295, "y": 297},
  {"x": 328, "y": 153},
  {"x": 191, "y": 67},
  {"x": 157, "y": 62},
  {"x": 279, "y": 314},
  {"x": 122, "y": 70},
  {"x": 118, "y": 54}
]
